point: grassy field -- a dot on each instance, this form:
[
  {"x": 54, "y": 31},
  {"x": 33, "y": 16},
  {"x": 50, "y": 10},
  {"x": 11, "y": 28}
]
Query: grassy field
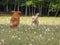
[{"x": 47, "y": 33}]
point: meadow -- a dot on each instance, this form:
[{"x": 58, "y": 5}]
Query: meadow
[{"x": 47, "y": 33}]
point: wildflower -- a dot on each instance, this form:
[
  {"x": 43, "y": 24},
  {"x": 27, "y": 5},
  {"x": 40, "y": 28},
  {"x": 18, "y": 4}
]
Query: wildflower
[
  {"x": 59, "y": 40},
  {"x": 56, "y": 27},
  {"x": 2, "y": 40},
  {"x": 34, "y": 32},
  {"x": 0, "y": 43},
  {"x": 30, "y": 44},
  {"x": 19, "y": 38},
  {"x": 49, "y": 39},
  {"x": 9, "y": 31},
  {"x": 52, "y": 38},
  {"x": 47, "y": 29},
  {"x": 14, "y": 36},
  {"x": 25, "y": 30},
  {"x": 40, "y": 35}
]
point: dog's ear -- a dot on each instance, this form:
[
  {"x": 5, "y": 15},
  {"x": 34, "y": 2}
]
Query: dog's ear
[
  {"x": 13, "y": 11},
  {"x": 19, "y": 11},
  {"x": 37, "y": 14}
]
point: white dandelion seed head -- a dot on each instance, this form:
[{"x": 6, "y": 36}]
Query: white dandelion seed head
[
  {"x": 34, "y": 32},
  {"x": 49, "y": 39},
  {"x": 19, "y": 38},
  {"x": 2, "y": 40},
  {"x": 52, "y": 38},
  {"x": 47, "y": 29},
  {"x": 25, "y": 30},
  {"x": 14, "y": 36},
  {"x": 59, "y": 40},
  {"x": 30, "y": 44},
  {"x": 9, "y": 31},
  {"x": 0, "y": 43},
  {"x": 56, "y": 27},
  {"x": 40, "y": 35}
]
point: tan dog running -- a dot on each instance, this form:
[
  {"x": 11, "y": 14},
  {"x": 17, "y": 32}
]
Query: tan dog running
[{"x": 35, "y": 19}]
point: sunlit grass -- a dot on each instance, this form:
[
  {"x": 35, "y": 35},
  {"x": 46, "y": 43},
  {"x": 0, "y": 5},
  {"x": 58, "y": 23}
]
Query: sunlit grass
[
  {"x": 47, "y": 33},
  {"x": 27, "y": 20}
]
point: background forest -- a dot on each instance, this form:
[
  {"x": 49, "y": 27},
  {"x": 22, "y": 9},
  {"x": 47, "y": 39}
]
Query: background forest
[{"x": 30, "y": 7}]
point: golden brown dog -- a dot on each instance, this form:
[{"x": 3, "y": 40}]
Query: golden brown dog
[
  {"x": 35, "y": 19},
  {"x": 14, "y": 22}
]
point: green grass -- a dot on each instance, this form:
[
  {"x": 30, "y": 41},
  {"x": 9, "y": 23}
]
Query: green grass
[{"x": 47, "y": 33}]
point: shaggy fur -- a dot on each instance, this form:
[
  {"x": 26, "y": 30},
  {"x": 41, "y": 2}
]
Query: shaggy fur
[
  {"x": 14, "y": 22},
  {"x": 35, "y": 19}
]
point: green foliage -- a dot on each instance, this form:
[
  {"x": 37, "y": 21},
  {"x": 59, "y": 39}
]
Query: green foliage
[
  {"x": 52, "y": 5},
  {"x": 28, "y": 3}
]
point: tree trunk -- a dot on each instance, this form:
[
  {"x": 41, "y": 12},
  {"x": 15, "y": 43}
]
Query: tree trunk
[
  {"x": 29, "y": 11},
  {"x": 21, "y": 9},
  {"x": 48, "y": 11},
  {"x": 26, "y": 11},
  {"x": 23, "y": 13},
  {"x": 7, "y": 8},
  {"x": 32, "y": 10},
  {"x": 18, "y": 5},
  {"x": 40, "y": 10},
  {"x": 14, "y": 6},
  {"x": 56, "y": 12}
]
